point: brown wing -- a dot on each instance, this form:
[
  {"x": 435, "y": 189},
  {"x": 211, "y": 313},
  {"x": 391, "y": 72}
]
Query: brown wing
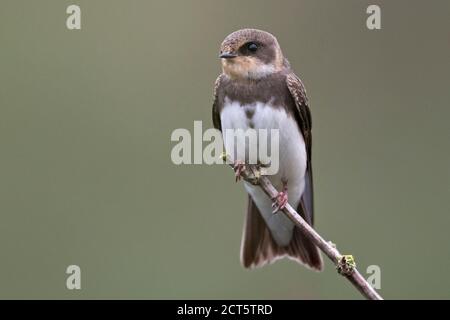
[
  {"x": 303, "y": 116},
  {"x": 215, "y": 108}
]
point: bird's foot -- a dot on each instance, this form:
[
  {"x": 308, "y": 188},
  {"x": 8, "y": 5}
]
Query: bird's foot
[
  {"x": 238, "y": 167},
  {"x": 346, "y": 265},
  {"x": 280, "y": 200},
  {"x": 249, "y": 172}
]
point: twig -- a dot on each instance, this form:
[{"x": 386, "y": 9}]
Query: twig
[{"x": 344, "y": 264}]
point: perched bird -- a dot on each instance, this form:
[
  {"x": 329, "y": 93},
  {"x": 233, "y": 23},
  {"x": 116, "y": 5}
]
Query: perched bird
[{"x": 257, "y": 89}]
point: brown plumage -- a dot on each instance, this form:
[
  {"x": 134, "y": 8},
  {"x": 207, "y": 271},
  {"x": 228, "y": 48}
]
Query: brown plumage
[
  {"x": 258, "y": 247},
  {"x": 265, "y": 76}
]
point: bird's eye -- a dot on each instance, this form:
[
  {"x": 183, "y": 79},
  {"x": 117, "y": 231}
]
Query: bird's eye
[{"x": 252, "y": 46}]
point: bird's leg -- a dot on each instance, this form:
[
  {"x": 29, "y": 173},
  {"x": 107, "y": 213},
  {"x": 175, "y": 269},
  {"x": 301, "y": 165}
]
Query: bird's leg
[
  {"x": 239, "y": 168},
  {"x": 281, "y": 199}
]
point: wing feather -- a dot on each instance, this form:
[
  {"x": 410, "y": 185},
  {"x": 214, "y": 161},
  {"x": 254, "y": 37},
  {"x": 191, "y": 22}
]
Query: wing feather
[
  {"x": 215, "y": 108},
  {"x": 303, "y": 116}
]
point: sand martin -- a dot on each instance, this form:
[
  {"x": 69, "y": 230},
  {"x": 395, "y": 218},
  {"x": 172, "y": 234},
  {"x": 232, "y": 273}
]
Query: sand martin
[{"x": 258, "y": 89}]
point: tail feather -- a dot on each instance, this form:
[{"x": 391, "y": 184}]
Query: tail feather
[{"x": 259, "y": 248}]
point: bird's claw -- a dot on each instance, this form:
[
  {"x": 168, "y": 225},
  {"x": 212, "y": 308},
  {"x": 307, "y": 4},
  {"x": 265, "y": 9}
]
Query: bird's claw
[
  {"x": 280, "y": 201},
  {"x": 239, "y": 167},
  {"x": 249, "y": 172}
]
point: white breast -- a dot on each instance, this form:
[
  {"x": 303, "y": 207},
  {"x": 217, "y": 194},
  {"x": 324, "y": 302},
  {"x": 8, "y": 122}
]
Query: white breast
[{"x": 292, "y": 158}]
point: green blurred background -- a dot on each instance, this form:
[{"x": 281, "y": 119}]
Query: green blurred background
[{"x": 86, "y": 176}]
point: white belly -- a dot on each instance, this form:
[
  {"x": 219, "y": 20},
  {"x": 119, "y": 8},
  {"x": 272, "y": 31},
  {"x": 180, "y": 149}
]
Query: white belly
[{"x": 292, "y": 158}]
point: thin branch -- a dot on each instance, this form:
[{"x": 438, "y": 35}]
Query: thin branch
[{"x": 344, "y": 264}]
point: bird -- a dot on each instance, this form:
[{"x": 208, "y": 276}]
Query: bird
[{"x": 258, "y": 89}]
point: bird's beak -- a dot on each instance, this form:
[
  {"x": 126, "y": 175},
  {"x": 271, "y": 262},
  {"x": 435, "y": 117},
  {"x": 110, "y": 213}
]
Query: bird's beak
[{"x": 227, "y": 55}]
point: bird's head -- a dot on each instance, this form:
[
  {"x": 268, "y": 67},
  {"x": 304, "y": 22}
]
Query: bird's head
[{"x": 250, "y": 54}]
